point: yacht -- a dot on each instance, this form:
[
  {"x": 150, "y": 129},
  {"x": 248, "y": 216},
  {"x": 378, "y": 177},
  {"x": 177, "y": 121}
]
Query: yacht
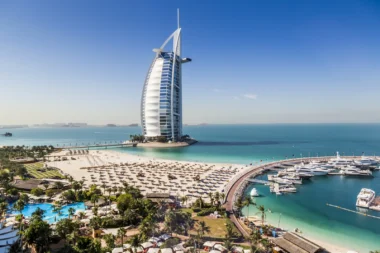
[
  {"x": 365, "y": 161},
  {"x": 365, "y": 198},
  {"x": 313, "y": 171},
  {"x": 293, "y": 178},
  {"x": 254, "y": 193},
  {"x": 279, "y": 180},
  {"x": 321, "y": 165},
  {"x": 287, "y": 189},
  {"x": 338, "y": 161},
  {"x": 353, "y": 171}
]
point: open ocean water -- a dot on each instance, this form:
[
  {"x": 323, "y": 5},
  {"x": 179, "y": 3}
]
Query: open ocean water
[{"x": 245, "y": 144}]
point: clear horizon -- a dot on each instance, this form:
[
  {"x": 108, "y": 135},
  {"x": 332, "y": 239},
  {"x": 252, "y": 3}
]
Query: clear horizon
[{"x": 253, "y": 62}]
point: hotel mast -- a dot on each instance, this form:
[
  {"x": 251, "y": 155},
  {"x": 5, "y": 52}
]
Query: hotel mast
[{"x": 161, "y": 102}]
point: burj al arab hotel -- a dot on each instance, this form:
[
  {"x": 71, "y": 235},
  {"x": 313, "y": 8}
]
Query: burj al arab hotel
[{"x": 161, "y": 102}]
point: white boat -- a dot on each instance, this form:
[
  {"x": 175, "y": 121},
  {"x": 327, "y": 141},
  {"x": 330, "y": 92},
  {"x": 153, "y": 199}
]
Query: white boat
[
  {"x": 365, "y": 161},
  {"x": 338, "y": 161},
  {"x": 287, "y": 189},
  {"x": 254, "y": 193},
  {"x": 365, "y": 198},
  {"x": 313, "y": 171},
  {"x": 353, "y": 171},
  {"x": 293, "y": 178},
  {"x": 279, "y": 180}
]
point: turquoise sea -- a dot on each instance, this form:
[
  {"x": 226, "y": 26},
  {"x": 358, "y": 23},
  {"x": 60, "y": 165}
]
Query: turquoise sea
[{"x": 245, "y": 144}]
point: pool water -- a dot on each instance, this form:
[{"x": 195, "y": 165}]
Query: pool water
[{"x": 49, "y": 215}]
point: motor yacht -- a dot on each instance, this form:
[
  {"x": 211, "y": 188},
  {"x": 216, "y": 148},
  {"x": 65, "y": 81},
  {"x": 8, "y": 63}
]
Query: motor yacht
[
  {"x": 365, "y": 198},
  {"x": 287, "y": 189},
  {"x": 313, "y": 171},
  {"x": 279, "y": 180},
  {"x": 365, "y": 162},
  {"x": 293, "y": 178},
  {"x": 338, "y": 161},
  {"x": 353, "y": 171}
]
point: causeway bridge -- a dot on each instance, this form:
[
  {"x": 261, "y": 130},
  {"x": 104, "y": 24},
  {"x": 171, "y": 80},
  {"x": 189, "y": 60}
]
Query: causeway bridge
[{"x": 98, "y": 145}]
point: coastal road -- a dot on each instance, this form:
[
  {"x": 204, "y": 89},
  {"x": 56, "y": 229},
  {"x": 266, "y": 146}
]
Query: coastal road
[{"x": 230, "y": 199}]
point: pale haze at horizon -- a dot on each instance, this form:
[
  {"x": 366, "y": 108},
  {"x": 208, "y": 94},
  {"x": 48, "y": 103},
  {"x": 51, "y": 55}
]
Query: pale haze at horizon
[{"x": 253, "y": 62}]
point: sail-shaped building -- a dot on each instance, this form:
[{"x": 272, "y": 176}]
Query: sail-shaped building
[{"x": 161, "y": 102}]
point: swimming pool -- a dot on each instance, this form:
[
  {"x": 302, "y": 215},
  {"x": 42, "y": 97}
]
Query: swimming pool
[{"x": 49, "y": 215}]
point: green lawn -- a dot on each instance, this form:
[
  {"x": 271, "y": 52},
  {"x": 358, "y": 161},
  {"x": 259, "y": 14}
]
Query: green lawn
[
  {"x": 217, "y": 226},
  {"x": 32, "y": 169}
]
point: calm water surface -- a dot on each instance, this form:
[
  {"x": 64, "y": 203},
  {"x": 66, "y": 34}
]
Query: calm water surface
[{"x": 245, "y": 144}]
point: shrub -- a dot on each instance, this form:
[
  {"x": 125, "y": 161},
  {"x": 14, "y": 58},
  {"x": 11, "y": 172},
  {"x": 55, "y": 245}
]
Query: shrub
[
  {"x": 37, "y": 191},
  {"x": 207, "y": 211},
  {"x": 196, "y": 209}
]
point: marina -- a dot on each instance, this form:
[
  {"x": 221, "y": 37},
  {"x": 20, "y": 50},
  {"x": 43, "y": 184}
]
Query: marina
[{"x": 334, "y": 226}]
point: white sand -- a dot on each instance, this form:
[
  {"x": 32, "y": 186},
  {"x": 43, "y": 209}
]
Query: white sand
[
  {"x": 109, "y": 171},
  {"x": 328, "y": 246}
]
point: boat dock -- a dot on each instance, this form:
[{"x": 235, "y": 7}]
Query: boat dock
[
  {"x": 257, "y": 181},
  {"x": 352, "y": 211}
]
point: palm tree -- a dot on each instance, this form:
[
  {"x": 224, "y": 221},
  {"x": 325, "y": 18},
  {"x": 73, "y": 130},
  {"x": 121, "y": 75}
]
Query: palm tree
[
  {"x": 248, "y": 202},
  {"x": 71, "y": 211},
  {"x": 135, "y": 242},
  {"x": 217, "y": 196},
  {"x": 254, "y": 240},
  {"x": 211, "y": 196},
  {"x": 94, "y": 199},
  {"x": 261, "y": 208},
  {"x": 222, "y": 197},
  {"x": 81, "y": 215},
  {"x": 95, "y": 224},
  {"x": 203, "y": 228},
  {"x": 266, "y": 244},
  {"x": 104, "y": 188},
  {"x": 200, "y": 201},
  {"x": 228, "y": 236},
  {"x": 120, "y": 233},
  {"x": 110, "y": 240},
  {"x": 3, "y": 208}
]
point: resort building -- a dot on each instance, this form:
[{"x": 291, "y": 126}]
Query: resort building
[{"x": 161, "y": 102}]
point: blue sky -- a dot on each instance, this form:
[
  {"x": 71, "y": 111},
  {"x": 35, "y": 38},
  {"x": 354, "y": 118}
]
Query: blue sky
[{"x": 253, "y": 61}]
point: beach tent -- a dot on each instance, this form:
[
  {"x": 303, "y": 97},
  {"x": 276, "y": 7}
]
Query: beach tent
[
  {"x": 9, "y": 241},
  {"x": 126, "y": 246},
  {"x": 220, "y": 247},
  {"x": 117, "y": 250},
  {"x": 154, "y": 239},
  {"x": 147, "y": 245},
  {"x": 166, "y": 250},
  {"x": 8, "y": 235},
  {"x": 137, "y": 249},
  {"x": 153, "y": 250},
  {"x": 4, "y": 249},
  {"x": 237, "y": 249},
  {"x": 6, "y": 230}
]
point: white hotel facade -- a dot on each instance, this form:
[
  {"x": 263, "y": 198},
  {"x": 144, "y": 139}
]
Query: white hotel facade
[{"x": 161, "y": 102}]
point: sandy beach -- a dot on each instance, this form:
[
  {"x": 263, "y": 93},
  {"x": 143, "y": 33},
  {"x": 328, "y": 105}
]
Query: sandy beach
[
  {"x": 333, "y": 248},
  {"x": 150, "y": 175}
]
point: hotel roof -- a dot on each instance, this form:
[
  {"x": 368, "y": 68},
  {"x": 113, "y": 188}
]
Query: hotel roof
[{"x": 293, "y": 243}]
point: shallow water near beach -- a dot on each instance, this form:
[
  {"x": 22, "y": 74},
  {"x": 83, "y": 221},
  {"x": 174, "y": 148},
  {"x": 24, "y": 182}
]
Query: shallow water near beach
[
  {"x": 246, "y": 144},
  {"x": 307, "y": 211}
]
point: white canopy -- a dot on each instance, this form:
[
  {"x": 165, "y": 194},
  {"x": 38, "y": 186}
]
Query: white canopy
[
  {"x": 153, "y": 250},
  {"x": 117, "y": 250},
  {"x": 146, "y": 245},
  {"x": 166, "y": 250}
]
